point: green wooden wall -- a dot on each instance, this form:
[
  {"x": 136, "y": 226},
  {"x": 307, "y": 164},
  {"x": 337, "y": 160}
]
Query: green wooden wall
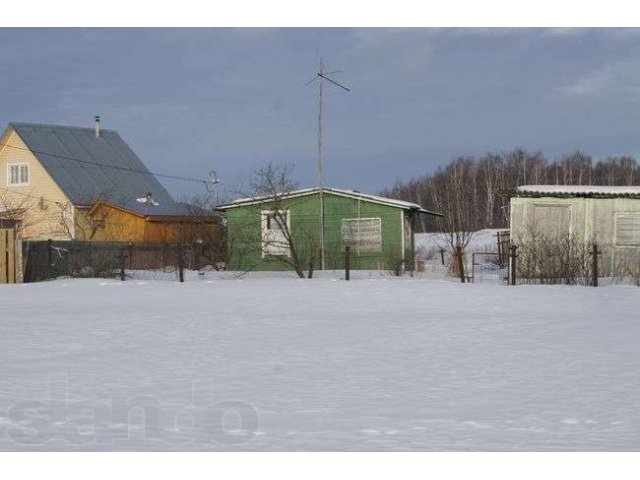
[{"x": 244, "y": 233}]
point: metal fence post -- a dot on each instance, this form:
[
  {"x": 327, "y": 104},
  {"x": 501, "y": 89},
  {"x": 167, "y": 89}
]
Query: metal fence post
[
  {"x": 180, "y": 262},
  {"x": 347, "y": 266},
  {"x": 199, "y": 253},
  {"x": 49, "y": 258},
  {"x": 594, "y": 269},
  {"x": 513, "y": 255},
  {"x": 310, "y": 272},
  {"x": 122, "y": 266},
  {"x": 131, "y": 255}
]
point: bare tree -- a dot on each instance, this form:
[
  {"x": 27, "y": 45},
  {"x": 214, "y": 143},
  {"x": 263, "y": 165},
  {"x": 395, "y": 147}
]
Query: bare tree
[
  {"x": 78, "y": 223},
  {"x": 28, "y": 212},
  {"x": 454, "y": 194},
  {"x": 628, "y": 267},
  {"x": 203, "y": 230},
  {"x": 493, "y": 172},
  {"x": 553, "y": 258},
  {"x": 277, "y": 239},
  {"x": 458, "y": 203}
]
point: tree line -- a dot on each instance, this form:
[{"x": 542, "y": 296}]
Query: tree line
[{"x": 467, "y": 190}]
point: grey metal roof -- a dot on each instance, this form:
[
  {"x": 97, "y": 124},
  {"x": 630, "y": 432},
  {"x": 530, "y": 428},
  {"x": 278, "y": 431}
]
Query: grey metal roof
[
  {"x": 89, "y": 168},
  {"x": 573, "y": 191},
  {"x": 392, "y": 202}
]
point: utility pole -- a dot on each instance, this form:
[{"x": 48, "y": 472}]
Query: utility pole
[
  {"x": 321, "y": 75},
  {"x": 320, "y": 173}
]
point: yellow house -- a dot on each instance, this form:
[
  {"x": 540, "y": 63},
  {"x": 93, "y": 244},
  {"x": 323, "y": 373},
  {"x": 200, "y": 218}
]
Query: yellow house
[{"x": 72, "y": 183}]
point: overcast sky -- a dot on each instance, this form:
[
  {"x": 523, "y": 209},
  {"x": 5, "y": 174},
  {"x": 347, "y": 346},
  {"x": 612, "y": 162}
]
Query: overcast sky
[{"x": 189, "y": 100}]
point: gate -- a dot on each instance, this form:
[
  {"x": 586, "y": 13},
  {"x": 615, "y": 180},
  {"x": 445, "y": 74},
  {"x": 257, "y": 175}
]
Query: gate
[
  {"x": 504, "y": 242},
  {"x": 7, "y": 255},
  {"x": 489, "y": 267}
]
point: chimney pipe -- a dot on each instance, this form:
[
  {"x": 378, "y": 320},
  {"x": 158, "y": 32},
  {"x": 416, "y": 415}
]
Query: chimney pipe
[{"x": 97, "y": 118}]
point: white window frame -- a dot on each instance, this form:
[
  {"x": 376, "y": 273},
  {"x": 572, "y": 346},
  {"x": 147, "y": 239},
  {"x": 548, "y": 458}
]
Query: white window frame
[
  {"x": 19, "y": 167},
  {"x": 356, "y": 245},
  {"x": 270, "y": 250},
  {"x": 617, "y": 216}
]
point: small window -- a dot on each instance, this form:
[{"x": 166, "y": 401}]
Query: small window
[
  {"x": 275, "y": 230},
  {"x": 18, "y": 174},
  {"x": 362, "y": 234},
  {"x": 628, "y": 229}
]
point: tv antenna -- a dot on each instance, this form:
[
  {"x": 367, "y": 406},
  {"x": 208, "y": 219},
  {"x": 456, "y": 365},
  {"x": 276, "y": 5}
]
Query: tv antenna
[
  {"x": 321, "y": 76},
  {"x": 211, "y": 185},
  {"x": 147, "y": 201}
]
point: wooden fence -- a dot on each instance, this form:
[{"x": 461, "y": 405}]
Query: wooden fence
[{"x": 8, "y": 255}]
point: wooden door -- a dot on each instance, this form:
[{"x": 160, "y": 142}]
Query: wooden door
[{"x": 7, "y": 255}]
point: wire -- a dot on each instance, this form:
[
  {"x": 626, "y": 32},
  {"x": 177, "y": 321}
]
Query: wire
[
  {"x": 61, "y": 205},
  {"x": 11, "y": 191},
  {"x": 256, "y": 208},
  {"x": 115, "y": 167}
]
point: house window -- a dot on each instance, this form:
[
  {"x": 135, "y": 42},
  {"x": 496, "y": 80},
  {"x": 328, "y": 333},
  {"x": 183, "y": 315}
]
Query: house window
[
  {"x": 628, "y": 229},
  {"x": 362, "y": 234},
  {"x": 18, "y": 174},
  {"x": 275, "y": 233}
]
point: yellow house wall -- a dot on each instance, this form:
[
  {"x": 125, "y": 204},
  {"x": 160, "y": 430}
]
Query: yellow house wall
[
  {"x": 41, "y": 220},
  {"x": 123, "y": 226},
  {"x": 118, "y": 225}
]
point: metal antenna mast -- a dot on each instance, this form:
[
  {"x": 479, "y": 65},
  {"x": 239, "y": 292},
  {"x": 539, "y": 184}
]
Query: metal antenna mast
[{"x": 321, "y": 75}]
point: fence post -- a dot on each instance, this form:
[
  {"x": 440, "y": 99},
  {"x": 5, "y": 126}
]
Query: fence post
[
  {"x": 131, "y": 255},
  {"x": 473, "y": 268},
  {"x": 49, "y": 259},
  {"x": 347, "y": 266},
  {"x": 310, "y": 272},
  {"x": 122, "y": 260},
  {"x": 442, "y": 255},
  {"x": 180, "y": 262},
  {"x": 513, "y": 255},
  {"x": 460, "y": 260},
  {"x": 199, "y": 253},
  {"x": 594, "y": 270}
]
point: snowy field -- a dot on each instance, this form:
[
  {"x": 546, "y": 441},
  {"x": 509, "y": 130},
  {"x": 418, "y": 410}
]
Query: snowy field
[{"x": 275, "y": 363}]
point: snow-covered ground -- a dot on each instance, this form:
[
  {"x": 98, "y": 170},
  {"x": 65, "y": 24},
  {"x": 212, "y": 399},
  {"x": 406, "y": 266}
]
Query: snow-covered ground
[{"x": 270, "y": 362}]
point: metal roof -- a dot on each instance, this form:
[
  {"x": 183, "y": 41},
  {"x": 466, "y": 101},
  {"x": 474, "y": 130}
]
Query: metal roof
[
  {"x": 579, "y": 191},
  {"x": 89, "y": 168},
  {"x": 332, "y": 191}
]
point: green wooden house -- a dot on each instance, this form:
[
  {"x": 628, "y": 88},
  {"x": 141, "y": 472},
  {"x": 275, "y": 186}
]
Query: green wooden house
[{"x": 277, "y": 232}]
